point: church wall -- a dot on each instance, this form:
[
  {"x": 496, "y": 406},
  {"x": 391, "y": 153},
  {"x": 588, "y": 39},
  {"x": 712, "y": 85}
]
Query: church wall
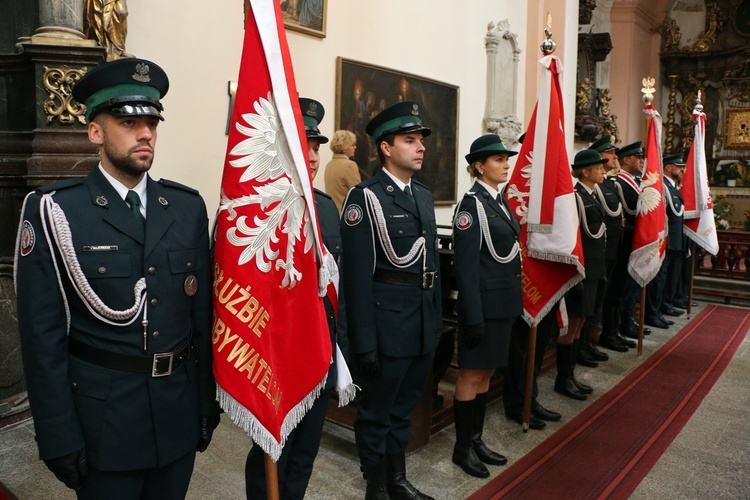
[{"x": 199, "y": 46}]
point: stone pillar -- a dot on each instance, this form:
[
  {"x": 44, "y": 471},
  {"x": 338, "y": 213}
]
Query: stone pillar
[{"x": 61, "y": 22}]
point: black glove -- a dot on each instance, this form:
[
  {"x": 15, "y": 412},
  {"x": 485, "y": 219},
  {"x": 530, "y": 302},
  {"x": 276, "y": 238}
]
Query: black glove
[
  {"x": 473, "y": 335},
  {"x": 368, "y": 363},
  {"x": 70, "y": 469},
  {"x": 207, "y": 426}
]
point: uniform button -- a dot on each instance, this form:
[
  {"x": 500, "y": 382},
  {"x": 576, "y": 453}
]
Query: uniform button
[
  {"x": 102, "y": 270},
  {"x": 154, "y": 302},
  {"x": 400, "y": 231},
  {"x": 152, "y": 270},
  {"x": 338, "y": 247},
  {"x": 189, "y": 265},
  {"x": 518, "y": 275},
  {"x": 155, "y": 335},
  {"x": 74, "y": 385},
  {"x": 424, "y": 232}
]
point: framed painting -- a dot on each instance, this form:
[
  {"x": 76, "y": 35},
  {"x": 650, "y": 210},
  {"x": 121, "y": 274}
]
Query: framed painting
[
  {"x": 363, "y": 90},
  {"x": 306, "y": 16},
  {"x": 738, "y": 129}
]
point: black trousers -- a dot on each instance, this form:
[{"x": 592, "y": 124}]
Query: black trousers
[
  {"x": 514, "y": 380},
  {"x": 296, "y": 462},
  {"x": 164, "y": 483},
  {"x": 385, "y": 404}
]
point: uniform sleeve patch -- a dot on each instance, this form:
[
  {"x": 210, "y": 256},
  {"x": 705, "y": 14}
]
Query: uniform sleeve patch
[
  {"x": 28, "y": 238},
  {"x": 463, "y": 220},
  {"x": 353, "y": 215}
]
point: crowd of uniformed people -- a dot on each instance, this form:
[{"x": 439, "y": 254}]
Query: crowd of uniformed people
[{"x": 107, "y": 423}]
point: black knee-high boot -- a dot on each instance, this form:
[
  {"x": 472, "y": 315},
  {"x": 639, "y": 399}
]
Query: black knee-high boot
[
  {"x": 582, "y": 388},
  {"x": 563, "y": 384},
  {"x": 463, "y": 452},
  {"x": 484, "y": 454}
]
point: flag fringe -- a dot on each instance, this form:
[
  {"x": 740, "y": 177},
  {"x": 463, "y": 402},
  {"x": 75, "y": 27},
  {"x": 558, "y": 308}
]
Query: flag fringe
[
  {"x": 692, "y": 214},
  {"x": 534, "y": 321},
  {"x": 639, "y": 253},
  {"x": 562, "y": 258},
  {"x": 326, "y": 273},
  {"x": 244, "y": 419}
]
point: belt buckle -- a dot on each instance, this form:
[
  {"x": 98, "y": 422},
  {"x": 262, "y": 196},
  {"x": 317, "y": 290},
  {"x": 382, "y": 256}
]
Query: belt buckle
[
  {"x": 428, "y": 280},
  {"x": 160, "y": 360}
]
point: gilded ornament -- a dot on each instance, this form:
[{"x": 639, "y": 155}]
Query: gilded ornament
[
  {"x": 107, "y": 23},
  {"x": 60, "y": 104}
]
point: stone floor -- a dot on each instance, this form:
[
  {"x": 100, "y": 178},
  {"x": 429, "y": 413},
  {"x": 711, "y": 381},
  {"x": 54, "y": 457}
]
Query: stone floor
[{"x": 707, "y": 460}]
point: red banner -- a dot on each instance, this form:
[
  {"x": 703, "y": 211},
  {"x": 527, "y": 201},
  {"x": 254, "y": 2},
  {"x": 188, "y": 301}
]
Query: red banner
[
  {"x": 650, "y": 233},
  {"x": 699, "y": 223},
  {"x": 540, "y": 194},
  {"x": 272, "y": 347}
]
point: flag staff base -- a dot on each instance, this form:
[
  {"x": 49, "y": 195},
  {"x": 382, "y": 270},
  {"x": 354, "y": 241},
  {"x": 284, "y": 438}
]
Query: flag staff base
[
  {"x": 642, "y": 318},
  {"x": 527, "y": 395},
  {"x": 272, "y": 478}
]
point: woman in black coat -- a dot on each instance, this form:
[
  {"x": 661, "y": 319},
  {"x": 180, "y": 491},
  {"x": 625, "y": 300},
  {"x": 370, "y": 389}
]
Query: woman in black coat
[{"x": 487, "y": 262}]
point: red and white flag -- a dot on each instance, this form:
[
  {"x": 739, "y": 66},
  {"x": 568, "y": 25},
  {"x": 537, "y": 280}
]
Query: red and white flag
[
  {"x": 650, "y": 232},
  {"x": 699, "y": 223},
  {"x": 540, "y": 194},
  {"x": 272, "y": 347}
]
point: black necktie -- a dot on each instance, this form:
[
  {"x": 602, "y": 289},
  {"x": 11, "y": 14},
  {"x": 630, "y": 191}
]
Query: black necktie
[
  {"x": 135, "y": 206},
  {"x": 407, "y": 190}
]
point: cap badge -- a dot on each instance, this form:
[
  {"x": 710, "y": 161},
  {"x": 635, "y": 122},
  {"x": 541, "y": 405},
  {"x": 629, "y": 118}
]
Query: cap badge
[
  {"x": 415, "y": 110},
  {"x": 141, "y": 73},
  {"x": 312, "y": 110},
  {"x": 101, "y": 201}
]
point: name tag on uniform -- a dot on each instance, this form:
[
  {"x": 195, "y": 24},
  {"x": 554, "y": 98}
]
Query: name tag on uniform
[
  {"x": 399, "y": 216},
  {"x": 100, "y": 248}
]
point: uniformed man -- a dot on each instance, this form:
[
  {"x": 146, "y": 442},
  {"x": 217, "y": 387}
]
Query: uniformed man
[
  {"x": 607, "y": 301},
  {"x": 296, "y": 462},
  {"x": 393, "y": 296},
  {"x": 662, "y": 294},
  {"x": 628, "y": 180},
  {"x": 114, "y": 305}
]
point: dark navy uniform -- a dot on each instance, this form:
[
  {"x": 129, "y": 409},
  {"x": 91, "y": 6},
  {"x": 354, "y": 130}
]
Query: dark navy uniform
[
  {"x": 489, "y": 292},
  {"x": 115, "y": 310},
  {"x": 676, "y": 245},
  {"x": 593, "y": 239},
  {"x": 627, "y": 188},
  {"x": 398, "y": 320},
  {"x": 124, "y": 420}
]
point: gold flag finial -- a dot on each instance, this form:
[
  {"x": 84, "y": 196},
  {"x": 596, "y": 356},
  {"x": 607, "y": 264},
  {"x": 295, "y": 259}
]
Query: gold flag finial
[
  {"x": 548, "y": 45},
  {"x": 648, "y": 89}
]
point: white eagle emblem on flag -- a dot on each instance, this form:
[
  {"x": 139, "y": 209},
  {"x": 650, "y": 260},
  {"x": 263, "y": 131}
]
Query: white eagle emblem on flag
[
  {"x": 266, "y": 157},
  {"x": 650, "y": 197}
]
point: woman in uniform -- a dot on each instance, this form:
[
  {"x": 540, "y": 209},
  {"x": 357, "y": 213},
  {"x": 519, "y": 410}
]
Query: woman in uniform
[
  {"x": 487, "y": 263},
  {"x": 580, "y": 301}
]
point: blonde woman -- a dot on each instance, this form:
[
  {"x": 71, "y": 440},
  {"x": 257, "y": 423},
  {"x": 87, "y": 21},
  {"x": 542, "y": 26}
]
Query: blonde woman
[{"x": 342, "y": 173}]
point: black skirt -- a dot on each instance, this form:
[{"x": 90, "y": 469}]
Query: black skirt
[{"x": 492, "y": 351}]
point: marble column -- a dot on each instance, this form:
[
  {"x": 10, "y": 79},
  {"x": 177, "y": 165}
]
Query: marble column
[{"x": 61, "y": 23}]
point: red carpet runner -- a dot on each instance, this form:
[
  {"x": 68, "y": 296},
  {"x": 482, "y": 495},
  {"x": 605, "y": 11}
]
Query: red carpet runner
[{"x": 609, "y": 448}]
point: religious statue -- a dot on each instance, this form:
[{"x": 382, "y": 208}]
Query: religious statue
[{"x": 107, "y": 22}]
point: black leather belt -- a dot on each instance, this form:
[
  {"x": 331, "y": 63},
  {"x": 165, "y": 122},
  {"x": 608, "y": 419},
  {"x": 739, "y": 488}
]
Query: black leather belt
[
  {"x": 425, "y": 281},
  {"x": 157, "y": 365}
]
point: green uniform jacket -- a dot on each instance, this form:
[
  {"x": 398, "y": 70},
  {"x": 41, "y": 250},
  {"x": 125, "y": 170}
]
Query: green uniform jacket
[{"x": 124, "y": 420}]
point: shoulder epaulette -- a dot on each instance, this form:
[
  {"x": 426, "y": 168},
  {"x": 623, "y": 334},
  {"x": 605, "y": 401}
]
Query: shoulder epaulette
[
  {"x": 58, "y": 185},
  {"x": 321, "y": 193},
  {"x": 177, "y": 185}
]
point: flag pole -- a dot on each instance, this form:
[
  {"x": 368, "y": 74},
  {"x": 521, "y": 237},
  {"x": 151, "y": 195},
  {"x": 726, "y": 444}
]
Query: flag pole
[
  {"x": 641, "y": 319},
  {"x": 547, "y": 47},
  {"x": 692, "y": 277},
  {"x": 527, "y": 394},
  {"x": 272, "y": 478}
]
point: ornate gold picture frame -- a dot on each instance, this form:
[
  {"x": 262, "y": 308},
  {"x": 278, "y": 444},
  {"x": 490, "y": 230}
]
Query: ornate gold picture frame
[
  {"x": 738, "y": 129},
  {"x": 305, "y": 16}
]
